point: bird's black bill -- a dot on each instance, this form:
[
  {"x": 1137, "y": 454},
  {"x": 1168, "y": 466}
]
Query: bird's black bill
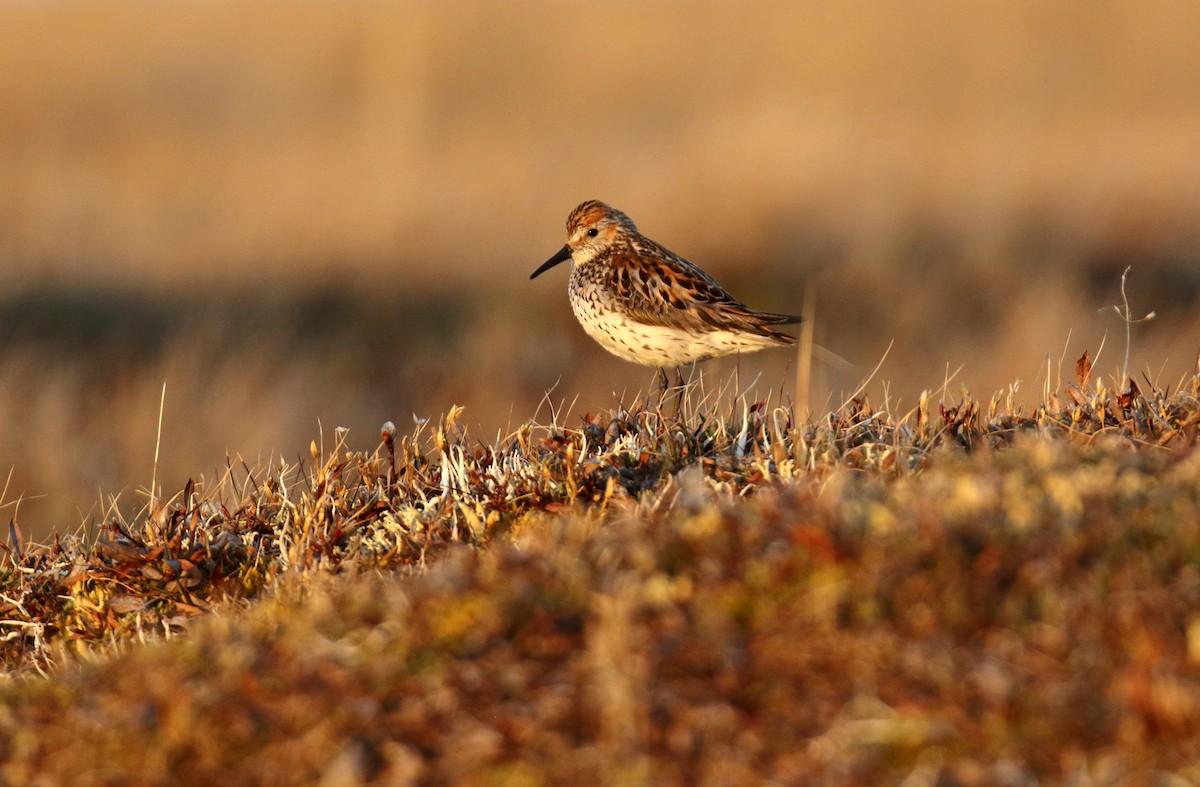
[{"x": 563, "y": 254}]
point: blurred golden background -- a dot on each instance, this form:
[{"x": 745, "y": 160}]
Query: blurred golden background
[{"x": 325, "y": 212}]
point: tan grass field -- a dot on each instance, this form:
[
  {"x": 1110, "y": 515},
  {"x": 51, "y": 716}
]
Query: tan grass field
[{"x": 968, "y": 182}]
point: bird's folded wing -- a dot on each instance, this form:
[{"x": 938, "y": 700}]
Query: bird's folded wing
[{"x": 664, "y": 289}]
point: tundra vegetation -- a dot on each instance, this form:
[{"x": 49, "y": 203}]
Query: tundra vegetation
[{"x": 961, "y": 592}]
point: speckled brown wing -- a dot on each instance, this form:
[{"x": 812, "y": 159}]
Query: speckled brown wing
[{"x": 662, "y": 288}]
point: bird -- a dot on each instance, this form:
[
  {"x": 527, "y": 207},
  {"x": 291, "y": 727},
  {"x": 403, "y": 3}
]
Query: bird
[{"x": 646, "y": 304}]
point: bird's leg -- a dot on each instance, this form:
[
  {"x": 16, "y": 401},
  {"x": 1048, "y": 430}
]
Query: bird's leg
[
  {"x": 680, "y": 388},
  {"x": 662, "y": 373}
]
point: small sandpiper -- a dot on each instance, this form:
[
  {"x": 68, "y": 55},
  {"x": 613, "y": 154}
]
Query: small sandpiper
[{"x": 648, "y": 305}]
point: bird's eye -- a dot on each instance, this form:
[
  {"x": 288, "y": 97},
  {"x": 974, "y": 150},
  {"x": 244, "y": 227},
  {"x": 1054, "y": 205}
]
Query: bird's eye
[{"x": 593, "y": 232}]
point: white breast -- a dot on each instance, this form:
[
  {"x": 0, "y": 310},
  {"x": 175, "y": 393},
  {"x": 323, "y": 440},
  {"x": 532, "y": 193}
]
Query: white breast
[{"x": 657, "y": 345}]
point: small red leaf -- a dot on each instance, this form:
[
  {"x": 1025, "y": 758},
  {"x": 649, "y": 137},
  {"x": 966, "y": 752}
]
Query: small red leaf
[{"x": 1083, "y": 368}]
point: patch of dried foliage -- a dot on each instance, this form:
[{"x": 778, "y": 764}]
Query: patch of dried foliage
[{"x": 1026, "y": 613}]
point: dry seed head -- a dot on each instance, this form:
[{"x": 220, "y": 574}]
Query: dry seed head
[{"x": 387, "y": 432}]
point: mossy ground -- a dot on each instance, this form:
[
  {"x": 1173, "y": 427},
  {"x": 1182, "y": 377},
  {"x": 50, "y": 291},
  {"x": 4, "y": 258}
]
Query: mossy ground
[{"x": 962, "y": 594}]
